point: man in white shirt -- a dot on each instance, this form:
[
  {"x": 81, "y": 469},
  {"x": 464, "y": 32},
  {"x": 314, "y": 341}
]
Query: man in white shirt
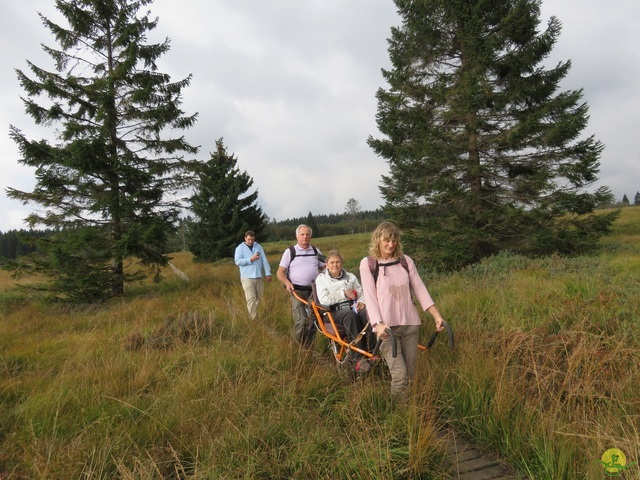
[{"x": 299, "y": 267}]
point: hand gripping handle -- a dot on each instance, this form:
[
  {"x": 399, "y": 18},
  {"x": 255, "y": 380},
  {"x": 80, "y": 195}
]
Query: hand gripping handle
[
  {"x": 449, "y": 335},
  {"x": 394, "y": 347}
]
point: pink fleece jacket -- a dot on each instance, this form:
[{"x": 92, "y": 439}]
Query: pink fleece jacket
[{"x": 389, "y": 299}]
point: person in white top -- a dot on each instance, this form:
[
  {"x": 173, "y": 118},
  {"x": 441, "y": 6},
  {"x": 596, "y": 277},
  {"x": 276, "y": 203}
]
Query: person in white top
[
  {"x": 342, "y": 293},
  {"x": 298, "y": 269},
  {"x": 389, "y": 278}
]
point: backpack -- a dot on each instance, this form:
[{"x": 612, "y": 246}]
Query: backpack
[
  {"x": 374, "y": 266},
  {"x": 292, "y": 252}
]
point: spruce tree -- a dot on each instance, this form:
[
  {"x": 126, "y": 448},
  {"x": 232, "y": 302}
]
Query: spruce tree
[
  {"x": 222, "y": 208},
  {"x": 484, "y": 153},
  {"x": 636, "y": 199},
  {"x": 311, "y": 223},
  {"x": 107, "y": 180}
]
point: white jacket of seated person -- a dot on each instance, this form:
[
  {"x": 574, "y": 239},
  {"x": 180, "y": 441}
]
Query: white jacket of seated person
[{"x": 331, "y": 290}]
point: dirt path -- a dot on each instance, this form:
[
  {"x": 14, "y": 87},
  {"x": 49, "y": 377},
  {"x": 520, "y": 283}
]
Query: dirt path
[{"x": 470, "y": 462}]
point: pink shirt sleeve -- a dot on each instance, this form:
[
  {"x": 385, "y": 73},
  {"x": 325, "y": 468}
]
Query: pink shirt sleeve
[
  {"x": 370, "y": 295},
  {"x": 418, "y": 287}
]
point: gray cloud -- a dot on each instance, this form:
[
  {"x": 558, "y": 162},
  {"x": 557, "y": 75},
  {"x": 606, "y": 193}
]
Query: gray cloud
[{"x": 290, "y": 86}]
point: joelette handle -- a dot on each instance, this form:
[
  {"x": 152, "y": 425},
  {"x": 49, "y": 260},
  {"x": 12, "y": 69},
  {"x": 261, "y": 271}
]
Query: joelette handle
[{"x": 450, "y": 336}]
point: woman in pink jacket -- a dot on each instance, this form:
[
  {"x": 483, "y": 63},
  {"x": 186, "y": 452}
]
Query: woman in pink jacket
[{"x": 388, "y": 278}]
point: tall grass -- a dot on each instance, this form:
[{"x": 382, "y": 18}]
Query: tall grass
[
  {"x": 547, "y": 369},
  {"x": 175, "y": 380}
]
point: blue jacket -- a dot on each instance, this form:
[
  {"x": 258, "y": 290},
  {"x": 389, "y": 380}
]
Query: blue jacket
[{"x": 249, "y": 269}]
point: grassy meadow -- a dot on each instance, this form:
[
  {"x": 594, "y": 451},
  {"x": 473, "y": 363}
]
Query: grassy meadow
[{"x": 174, "y": 381}]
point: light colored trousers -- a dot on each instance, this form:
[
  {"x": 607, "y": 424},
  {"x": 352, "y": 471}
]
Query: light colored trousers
[
  {"x": 253, "y": 288},
  {"x": 403, "y": 367}
]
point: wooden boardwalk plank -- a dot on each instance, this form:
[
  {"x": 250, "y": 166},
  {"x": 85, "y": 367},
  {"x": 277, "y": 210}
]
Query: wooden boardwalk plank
[{"x": 470, "y": 462}]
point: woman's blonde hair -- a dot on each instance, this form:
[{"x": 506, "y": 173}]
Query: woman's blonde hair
[{"x": 385, "y": 231}]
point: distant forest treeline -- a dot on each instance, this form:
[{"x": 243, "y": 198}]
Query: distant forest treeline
[
  {"x": 326, "y": 225},
  {"x": 11, "y": 245}
]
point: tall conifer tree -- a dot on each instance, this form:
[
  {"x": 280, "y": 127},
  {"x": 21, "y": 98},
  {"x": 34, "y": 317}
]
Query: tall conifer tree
[
  {"x": 222, "y": 207},
  {"x": 106, "y": 181},
  {"x": 484, "y": 153}
]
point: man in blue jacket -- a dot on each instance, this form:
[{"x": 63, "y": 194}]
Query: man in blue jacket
[{"x": 251, "y": 259}]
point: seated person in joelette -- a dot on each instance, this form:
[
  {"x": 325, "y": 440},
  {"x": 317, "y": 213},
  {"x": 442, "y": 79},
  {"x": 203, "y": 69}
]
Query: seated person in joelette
[{"x": 339, "y": 289}]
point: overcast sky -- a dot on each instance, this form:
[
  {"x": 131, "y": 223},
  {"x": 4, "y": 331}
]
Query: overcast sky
[{"x": 290, "y": 86}]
